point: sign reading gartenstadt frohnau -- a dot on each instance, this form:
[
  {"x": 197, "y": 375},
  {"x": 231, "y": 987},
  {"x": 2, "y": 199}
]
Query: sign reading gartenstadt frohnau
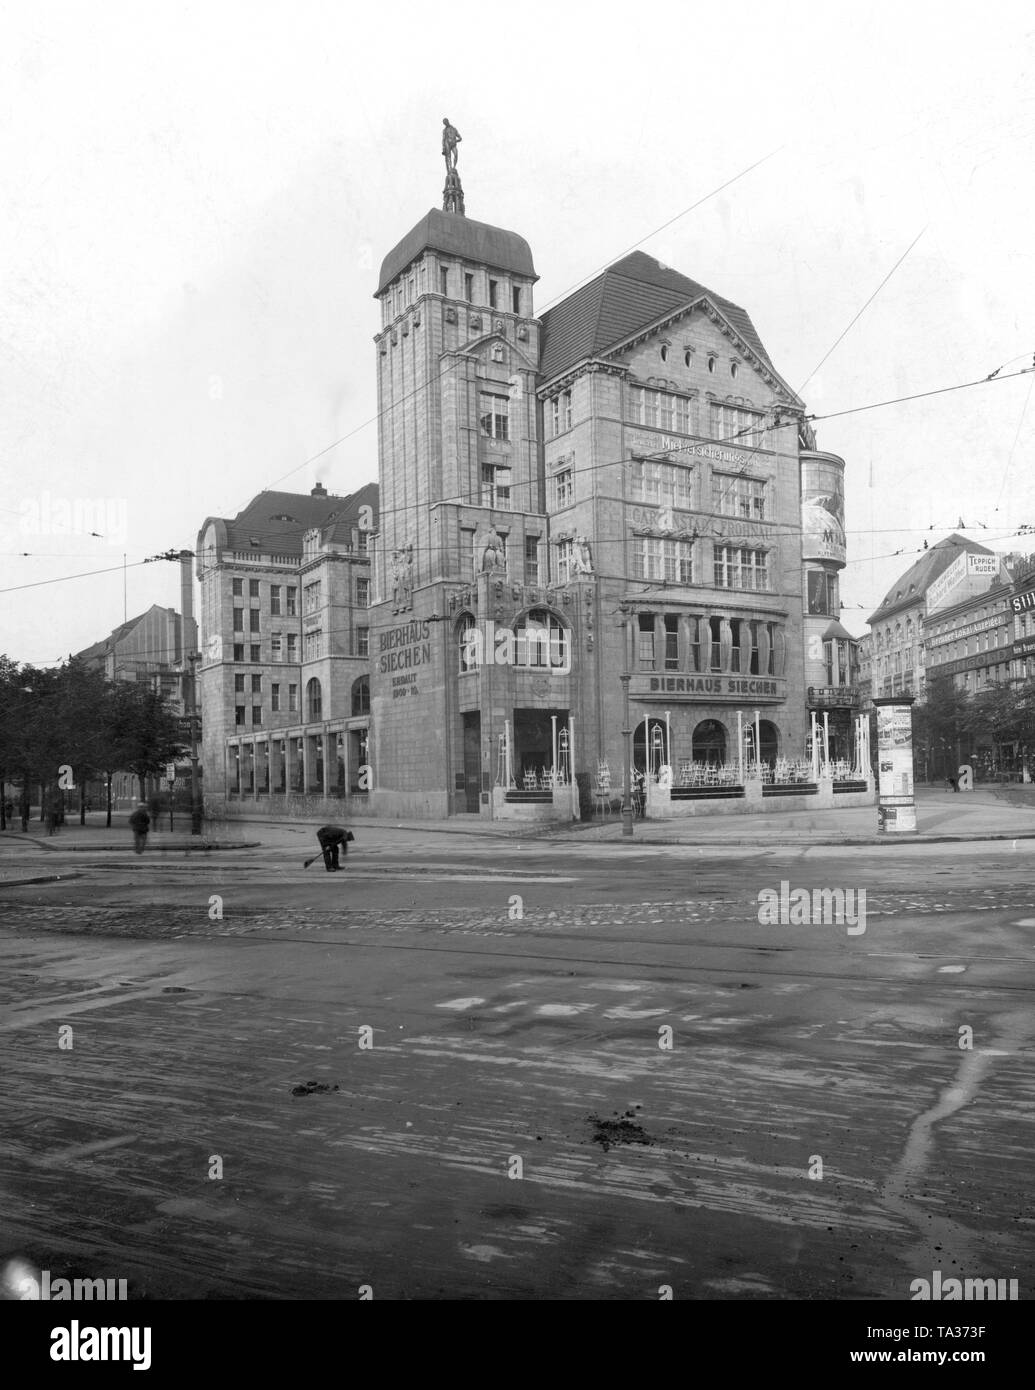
[{"x": 735, "y": 689}]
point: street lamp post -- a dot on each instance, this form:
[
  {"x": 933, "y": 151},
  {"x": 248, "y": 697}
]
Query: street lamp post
[
  {"x": 627, "y": 814},
  {"x": 195, "y": 789}
]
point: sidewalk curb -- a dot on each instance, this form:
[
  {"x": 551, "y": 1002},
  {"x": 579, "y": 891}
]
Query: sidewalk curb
[{"x": 763, "y": 843}]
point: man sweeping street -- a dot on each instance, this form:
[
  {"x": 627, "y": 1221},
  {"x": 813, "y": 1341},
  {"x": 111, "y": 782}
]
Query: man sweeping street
[{"x": 332, "y": 838}]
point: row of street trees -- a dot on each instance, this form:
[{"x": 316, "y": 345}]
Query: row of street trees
[
  {"x": 60, "y": 727},
  {"x": 953, "y": 726}
]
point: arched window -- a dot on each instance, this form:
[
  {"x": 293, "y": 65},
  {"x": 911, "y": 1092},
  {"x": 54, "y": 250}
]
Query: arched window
[
  {"x": 468, "y": 643},
  {"x": 709, "y": 743},
  {"x": 541, "y": 640},
  {"x": 313, "y": 700},
  {"x": 361, "y": 695},
  {"x": 770, "y": 740}
]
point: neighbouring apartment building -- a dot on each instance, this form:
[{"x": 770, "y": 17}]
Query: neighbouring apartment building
[
  {"x": 948, "y": 573},
  {"x": 284, "y": 675},
  {"x": 152, "y": 649}
]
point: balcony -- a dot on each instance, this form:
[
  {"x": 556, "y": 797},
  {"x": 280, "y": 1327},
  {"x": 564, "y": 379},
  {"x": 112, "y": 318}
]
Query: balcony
[{"x": 833, "y": 696}]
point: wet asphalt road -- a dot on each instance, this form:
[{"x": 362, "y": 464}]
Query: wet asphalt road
[{"x": 551, "y": 1072}]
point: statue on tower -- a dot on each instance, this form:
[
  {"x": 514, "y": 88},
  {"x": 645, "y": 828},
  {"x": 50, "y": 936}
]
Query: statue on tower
[
  {"x": 453, "y": 193},
  {"x": 451, "y": 137}
]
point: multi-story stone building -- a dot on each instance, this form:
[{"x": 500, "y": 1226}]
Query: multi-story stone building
[
  {"x": 954, "y": 569},
  {"x": 603, "y": 504},
  {"x": 284, "y": 675},
  {"x": 612, "y": 491}
]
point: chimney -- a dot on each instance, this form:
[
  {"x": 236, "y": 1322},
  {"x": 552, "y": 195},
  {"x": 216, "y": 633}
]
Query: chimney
[
  {"x": 319, "y": 491},
  {"x": 188, "y": 626}
]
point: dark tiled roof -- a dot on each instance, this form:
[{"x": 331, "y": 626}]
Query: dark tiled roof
[
  {"x": 913, "y": 585},
  {"x": 630, "y": 294},
  {"x": 277, "y": 520},
  {"x": 462, "y": 237}
]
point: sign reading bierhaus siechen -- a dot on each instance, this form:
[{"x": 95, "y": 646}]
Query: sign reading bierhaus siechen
[
  {"x": 401, "y": 649},
  {"x": 728, "y": 687}
]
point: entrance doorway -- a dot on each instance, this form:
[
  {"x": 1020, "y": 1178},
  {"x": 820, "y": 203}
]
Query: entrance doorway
[
  {"x": 650, "y": 746},
  {"x": 533, "y": 741},
  {"x": 472, "y": 760}
]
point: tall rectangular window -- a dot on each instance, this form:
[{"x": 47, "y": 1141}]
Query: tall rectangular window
[
  {"x": 566, "y": 407},
  {"x": 564, "y": 487},
  {"x": 276, "y": 643},
  {"x": 494, "y": 415},
  {"x": 253, "y": 620},
  {"x": 239, "y": 715},
  {"x": 495, "y": 487},
  {"x": 253, "y": 588},
  {"x": 516, "y": 299},
  {"x": 255, "y": 651},
  {"x": 555, "y": 414},
  {"x": 275, "y": 698},
  {"x": 362, "y": 641},
  {"x": 239, "y": 684},
  {"x": 292, "y": 646},
  {"x": 671, "y": 642},
  {"x": 565, "y": 559},
  {"x": 531, "y": 559},
  {"x": 362, "y": 593},
  {"x": 256, "y": 685},
  {"x": 493, "y": 294},
  {"x": 293, "y": 699},
  {"x": 443, "y": 279},
  {"x": 291, "y": 595},
  {"x": 238, "y": 619},
  {"x": 256, "y": 714},
  {"x": 238, "y": 651},
  {"x": 311, "y": 597},
  {"x": 275, "y": 600},
  {"x": 645, "y": 650},
  {"x": 313, "y": 645},
  {"x": 469, "y": 288},
  {"x": 238, "y": 587}
]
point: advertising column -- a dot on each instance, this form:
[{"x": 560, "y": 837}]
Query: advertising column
[{"x": 896, "y": 809}]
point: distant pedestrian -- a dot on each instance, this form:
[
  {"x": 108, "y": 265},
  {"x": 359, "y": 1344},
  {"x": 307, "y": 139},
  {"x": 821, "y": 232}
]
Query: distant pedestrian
[
  {"x": 140, "y": 824},
  {"x": 332, "y": 838},
  {"x": 952, "y": 783}
]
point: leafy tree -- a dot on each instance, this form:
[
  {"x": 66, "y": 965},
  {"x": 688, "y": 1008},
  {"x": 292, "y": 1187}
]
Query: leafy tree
[
  {"x": 143, "y": 733},
  {"x": 943, "y": 723}
]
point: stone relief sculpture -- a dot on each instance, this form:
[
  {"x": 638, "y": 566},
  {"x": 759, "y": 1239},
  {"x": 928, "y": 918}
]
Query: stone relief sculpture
[
  {"x": 582, "y": 559},
  {"x": 493, "y": 555},
  {"x": 402, "y": 579}
]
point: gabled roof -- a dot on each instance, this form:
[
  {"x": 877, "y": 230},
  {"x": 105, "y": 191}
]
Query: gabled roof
[
  {"x": 108, "y": 644},
  {"x": 456, "y": 235},
  {"x": 628, "y": 296},
  {"x": 274, "y": 522},
  {"x": 913, "y": 585}
]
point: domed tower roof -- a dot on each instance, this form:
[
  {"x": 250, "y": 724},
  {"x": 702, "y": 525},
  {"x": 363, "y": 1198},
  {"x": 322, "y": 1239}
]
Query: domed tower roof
[{"x": 459, "y": 236}]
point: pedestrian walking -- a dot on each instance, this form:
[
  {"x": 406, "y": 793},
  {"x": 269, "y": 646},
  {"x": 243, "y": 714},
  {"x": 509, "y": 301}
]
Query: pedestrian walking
[
  {"x": 140, "y": 824},
  {"x": 332, "y": 838}
]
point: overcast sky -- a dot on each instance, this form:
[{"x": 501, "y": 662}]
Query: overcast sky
[{"x": 197, "y": 198}]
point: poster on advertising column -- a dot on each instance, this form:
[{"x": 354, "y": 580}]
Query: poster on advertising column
[{"x": 896, "y": 807}]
